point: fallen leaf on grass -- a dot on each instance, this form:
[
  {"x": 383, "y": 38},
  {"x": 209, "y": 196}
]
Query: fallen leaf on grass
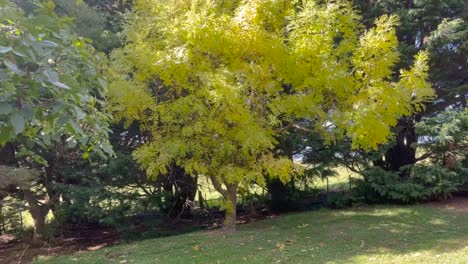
[{"x": 280, "y": 246}]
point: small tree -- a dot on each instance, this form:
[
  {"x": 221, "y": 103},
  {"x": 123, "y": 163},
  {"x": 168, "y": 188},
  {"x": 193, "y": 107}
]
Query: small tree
[
  {"x": 52, "y": 92},
  {"x": 217, "y": 82}
]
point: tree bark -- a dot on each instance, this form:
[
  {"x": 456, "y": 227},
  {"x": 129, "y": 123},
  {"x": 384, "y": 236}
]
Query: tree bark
[
  {"x": 38, "y": 212},
  {"x": 402, "y": 153},
  {"x": 465, "y": 10},
  {"x": 185, "y": 187},
  {"x": 7, "y": 154},
  {"x": 279, "y": 195},
  {"x": 230, "y": 202},
  {"x": 231, "y": 207}
]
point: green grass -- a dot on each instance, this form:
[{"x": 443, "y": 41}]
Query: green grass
[{"x": 384, "y": 234}]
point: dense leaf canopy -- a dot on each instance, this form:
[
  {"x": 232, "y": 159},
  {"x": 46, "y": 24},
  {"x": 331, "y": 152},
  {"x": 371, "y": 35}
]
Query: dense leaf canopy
[
  {"x": 216, "y": 81},
  {"x": 50, "y": 81}
]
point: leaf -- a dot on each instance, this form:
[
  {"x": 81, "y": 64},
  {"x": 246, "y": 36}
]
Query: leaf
[
  {"x": 79, "y": 113},
  {"x": 5, "y": 134},
  {"x": 76, "y": 127},
  {"x": 18, "y": 53},
  {"x": 280, "y": 246},
  {"x": 13, "y": 67},
  {"x": 61, "y": 121},
  {"x": 27, "y": 111},
  {"x": 5, "y": 108},
  {"x": 102, "y": 82},
  {"x": 51, "y": 75},
  {"x": 18, "y": 123},
  {"x": 53, "y": 78},
  {"x": 5, "y": 49},
  {"x": 61, "y": 85},
  {"x": 106, "y": 148},
  {"x": 48, "y": 43}
]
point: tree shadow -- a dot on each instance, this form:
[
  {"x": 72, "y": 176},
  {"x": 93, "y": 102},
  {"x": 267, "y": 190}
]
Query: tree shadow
[{"x": 342, "y": 235}]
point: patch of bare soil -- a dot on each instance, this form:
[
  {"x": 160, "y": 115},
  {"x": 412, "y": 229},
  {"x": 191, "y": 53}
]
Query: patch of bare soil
[{"x": 79, "y": 239}]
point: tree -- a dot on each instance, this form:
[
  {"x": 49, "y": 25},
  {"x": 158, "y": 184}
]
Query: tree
[
  {"x": 445, "y": 138},
  {"x": 438, "y": 27},
  {"x": 52, "y": 92},
  {"x": 217, "y": 82}
]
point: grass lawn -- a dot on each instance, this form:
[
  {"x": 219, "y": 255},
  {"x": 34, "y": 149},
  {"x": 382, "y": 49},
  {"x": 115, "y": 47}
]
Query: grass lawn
[{"x": 383, "y": 234}]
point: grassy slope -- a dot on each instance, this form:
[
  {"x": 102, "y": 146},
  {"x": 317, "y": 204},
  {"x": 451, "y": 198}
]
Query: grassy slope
[{"x": 390, "y": 234}]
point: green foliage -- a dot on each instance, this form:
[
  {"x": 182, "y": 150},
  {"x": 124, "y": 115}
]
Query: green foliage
[
  {"x": 437, "y": 181},
  {"x": 440, "y": 28},
  {"x": 11, "y": 218},
  {"x": 339, "y": 200},
  {"x": 52, "y": 83},
  {"x": 426, "y": 182},
  {"x": 379, "y": 185},
  {"x": 91, "y": 23},
  {"x": 444, "y": 137}
]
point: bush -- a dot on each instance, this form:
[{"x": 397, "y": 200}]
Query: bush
[
  {"x": 338, "y": 200},
  {"x": 438, "y": 182},
  {"x": 426, "y": 182}
]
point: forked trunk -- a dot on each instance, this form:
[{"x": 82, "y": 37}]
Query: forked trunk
[
  {"x": 230, "y": 201},
  {"x": 39, "y": 214}
]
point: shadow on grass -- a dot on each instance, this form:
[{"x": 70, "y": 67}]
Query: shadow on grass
[
  {"x": 337, "y": 236},
  {"x": 341, "y": 235}
]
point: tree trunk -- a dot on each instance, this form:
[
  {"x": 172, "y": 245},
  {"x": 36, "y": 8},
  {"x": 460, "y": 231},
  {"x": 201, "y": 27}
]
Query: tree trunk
[
  {"x": 279, "y": 194},
  {"x": 185, "y": 187},
  {"x": 230, "y": 202},
  {"x": 39, "y": 224},
  {"x": 201, "y": 200},
  {"x": 7, "y": 154},
  {"x": 230, "y": 199},
  {"x": 465, "y": 10},
  {"x": 38, "y": 213},
  {"x": 402, "y": 153},
  {"x": 2, "y": 218}
]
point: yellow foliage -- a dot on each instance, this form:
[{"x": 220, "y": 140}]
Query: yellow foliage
[{"x": 214, "y": 82}]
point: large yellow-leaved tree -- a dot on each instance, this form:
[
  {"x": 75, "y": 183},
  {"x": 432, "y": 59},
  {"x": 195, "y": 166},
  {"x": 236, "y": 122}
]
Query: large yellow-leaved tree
[{"x": 215, "y": 82}]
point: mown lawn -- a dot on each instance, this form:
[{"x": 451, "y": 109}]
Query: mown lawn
[{"x": 384, "y": 234}]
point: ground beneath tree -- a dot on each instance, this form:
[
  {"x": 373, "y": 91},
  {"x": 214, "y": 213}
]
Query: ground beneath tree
[
  {"x": 458, "y": 203},
  {"x": 76, "y": 240},
  {"x": 91, "y": 238}
]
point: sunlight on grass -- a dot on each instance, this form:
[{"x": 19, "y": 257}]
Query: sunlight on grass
[
  {"x": 423, "y": 256},
  {"x": 392, "y": 211},
  {"x": 381, "y": 234}
]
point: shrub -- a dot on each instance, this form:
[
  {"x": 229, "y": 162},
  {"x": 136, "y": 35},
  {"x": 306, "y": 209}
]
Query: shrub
[{"x": 425, "y": 182}]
